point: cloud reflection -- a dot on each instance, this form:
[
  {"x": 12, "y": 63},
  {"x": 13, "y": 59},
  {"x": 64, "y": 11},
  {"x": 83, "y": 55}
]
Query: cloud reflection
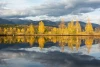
[{"x": 50, "y": 59}]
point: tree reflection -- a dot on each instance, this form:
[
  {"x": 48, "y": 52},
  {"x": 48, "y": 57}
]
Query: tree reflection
[
  {"x": 78, "y": 43},
  {"x": 89, "y": 42},
  {"x": 72, "y": 42},
  {"x": 41, "y": 42},
  {"x": 31, "y": 40}
]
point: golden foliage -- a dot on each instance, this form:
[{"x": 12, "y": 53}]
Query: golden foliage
[
  {"x": 62, "y": 27},
  {"x": 89, "y": 28},
  {"x": 78, "y": 27},
  {"x": 31, "y": 29},
  {"x": 41, "y": 28},
  {"x": 18, "y": 31},
  {"x": 72, "y": 28},
  {"x": 54, "y": 30},
  {"x": 5, "y": 30}
]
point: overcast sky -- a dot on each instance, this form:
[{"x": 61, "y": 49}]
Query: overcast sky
[{"x": 51, "y": 9}]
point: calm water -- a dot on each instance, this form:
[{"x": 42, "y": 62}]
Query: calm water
[{"x": 49, "y": 51}]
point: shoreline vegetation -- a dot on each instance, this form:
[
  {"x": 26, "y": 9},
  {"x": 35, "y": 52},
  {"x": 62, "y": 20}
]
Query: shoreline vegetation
[
  {"x": 71, "y": 29},
  {"x": 49, "y": 35}
]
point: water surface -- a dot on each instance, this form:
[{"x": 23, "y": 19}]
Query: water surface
[{"x": 49, "y": 51}]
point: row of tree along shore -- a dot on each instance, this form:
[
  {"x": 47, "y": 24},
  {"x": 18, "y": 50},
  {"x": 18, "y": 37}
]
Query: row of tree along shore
[{"x": 71, "y": 29}]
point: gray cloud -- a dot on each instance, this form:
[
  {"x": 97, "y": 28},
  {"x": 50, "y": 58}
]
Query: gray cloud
[
  {"x": 56, "y": 9},
  {"x": 65, "y": 8}
]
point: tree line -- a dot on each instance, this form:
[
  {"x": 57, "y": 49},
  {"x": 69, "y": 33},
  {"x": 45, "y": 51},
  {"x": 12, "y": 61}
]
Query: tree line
[{"x": 70, "y": 29}]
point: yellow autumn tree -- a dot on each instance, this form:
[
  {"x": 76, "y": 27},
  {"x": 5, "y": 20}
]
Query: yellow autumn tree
[
  {"x": 62, "y": 24},
  {"x": 62, "y": 27},
  {"x": 18, "y": 31},
  {"x": 31, "y": 29},
  {"x": 5, "y": 30},
  {"x": 14, "y": 30},
  {"x": 23, "y": 31},
  {"x": 27, "y": 31},
  {"x": 89, "y": 28},
  {"x": 54, "y": 30},
  {"x": 78, "y": 27},
  {"x": 41, "y": 27},
  {"x": 71, "y": 27},
  {"x": 65, "y": 31},
  {"x": 10, "y": 30},
  {"x": 0, "y": 30}
]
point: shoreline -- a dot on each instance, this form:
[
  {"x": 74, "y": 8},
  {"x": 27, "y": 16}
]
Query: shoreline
[{"x": 49, "y": 35}]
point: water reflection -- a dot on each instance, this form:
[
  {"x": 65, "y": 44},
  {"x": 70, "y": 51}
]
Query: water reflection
[
  {"x": 49, "y": 51},
  {"x": 62, "y": 41}
]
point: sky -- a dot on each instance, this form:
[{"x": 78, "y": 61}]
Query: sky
[{"x": 53, "y": 10}]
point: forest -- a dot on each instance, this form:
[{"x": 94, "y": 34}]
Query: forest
[{"x": 70, "y": 29}]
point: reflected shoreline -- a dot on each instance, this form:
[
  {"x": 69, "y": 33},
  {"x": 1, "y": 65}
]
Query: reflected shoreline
[
  {"x": 50, "y": 35},
  {"x": 61, "y": 41}
]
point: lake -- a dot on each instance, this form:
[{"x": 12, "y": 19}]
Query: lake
[{"x": 49, "y": 51}]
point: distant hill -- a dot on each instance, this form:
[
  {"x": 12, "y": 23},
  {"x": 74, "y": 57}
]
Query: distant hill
[
  {"x": 4, "y": 21},
  {"x": 83, "y": 24},
  {"x": 46, "y": 22},
  {"x": 19, "y": 21}
]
